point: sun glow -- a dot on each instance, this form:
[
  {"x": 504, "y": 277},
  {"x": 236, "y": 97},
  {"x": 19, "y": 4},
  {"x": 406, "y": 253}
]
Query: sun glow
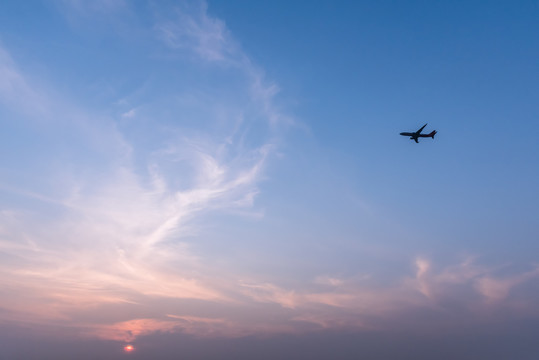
[{"x": 129, "y": 348}]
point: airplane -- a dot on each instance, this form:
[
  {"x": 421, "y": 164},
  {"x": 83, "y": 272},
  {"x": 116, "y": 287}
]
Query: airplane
[{"x": 415, "y": 135}]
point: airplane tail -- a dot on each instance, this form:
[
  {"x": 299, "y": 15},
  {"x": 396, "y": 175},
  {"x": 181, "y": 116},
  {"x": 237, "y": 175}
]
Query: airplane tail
[{"x": 432, "y": 134}]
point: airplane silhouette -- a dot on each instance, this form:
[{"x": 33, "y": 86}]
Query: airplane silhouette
[{"x": 415, "y": 135}]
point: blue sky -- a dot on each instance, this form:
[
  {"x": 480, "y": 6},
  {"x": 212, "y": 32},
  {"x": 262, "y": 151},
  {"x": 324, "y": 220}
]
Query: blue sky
[{"x": 226, "y": 179}]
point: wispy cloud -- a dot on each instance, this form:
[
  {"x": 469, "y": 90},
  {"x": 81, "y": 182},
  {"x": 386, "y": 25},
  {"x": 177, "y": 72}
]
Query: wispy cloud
[
  {"x": 192, "y": 29},
  {"x": 498, "y": 289},
  {"x": 112, "y": 231},
  {"x": 362, "y": 304}
]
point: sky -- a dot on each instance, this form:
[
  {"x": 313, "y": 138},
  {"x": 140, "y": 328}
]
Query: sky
[{"x": 226, "y": 180}]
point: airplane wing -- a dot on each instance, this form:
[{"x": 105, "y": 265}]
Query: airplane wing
[
  {"x": 422, "y": 127},
  {"x": 416, "y": 140}
]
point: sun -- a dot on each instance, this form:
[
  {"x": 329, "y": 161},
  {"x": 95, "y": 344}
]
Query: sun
[{"x": 129, "y": 348}]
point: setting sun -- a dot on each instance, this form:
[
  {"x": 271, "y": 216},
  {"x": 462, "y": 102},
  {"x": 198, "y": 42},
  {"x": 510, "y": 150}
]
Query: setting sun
[{"x": 128, "y": 348}]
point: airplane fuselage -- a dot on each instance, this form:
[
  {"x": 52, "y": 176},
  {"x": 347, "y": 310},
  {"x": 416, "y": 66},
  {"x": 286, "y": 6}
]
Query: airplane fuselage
[{"x": 408, "y": 134}]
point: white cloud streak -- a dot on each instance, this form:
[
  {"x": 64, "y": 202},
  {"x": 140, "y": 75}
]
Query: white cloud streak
[
  {"x": 195, "y": 31},
  {"x": 111, "y": 236}
]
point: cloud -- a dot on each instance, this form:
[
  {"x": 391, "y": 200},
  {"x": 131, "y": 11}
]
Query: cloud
[
  {"x": 195, "y": 31},
  {"x": 129, "y": 114},
  {"x": 110, "y": 227},
  {"x": 463, "y": 290},
  {"x": 497, "y": 289},
  {"x": 272, "y": 294},
  {"x": 192, "y": 29}
]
